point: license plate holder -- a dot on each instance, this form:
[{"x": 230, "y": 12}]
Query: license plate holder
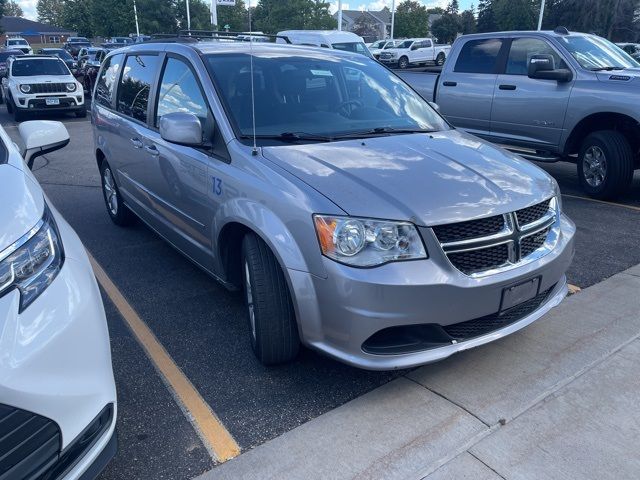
[
  {"x": 52, "y": 101},
  {"x": 518, "y": 293}
]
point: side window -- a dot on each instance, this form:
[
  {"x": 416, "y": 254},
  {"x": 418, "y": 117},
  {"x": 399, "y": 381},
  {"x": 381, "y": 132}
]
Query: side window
[
  {"x": 521, "y": 51},
  {"x": 427, "y": 43},
  {"x": 107, "y": 80},
  {"x": 479, "y": 56},
  {"x": 180, "y": 92},
  {"x": 133, "y": 92}
]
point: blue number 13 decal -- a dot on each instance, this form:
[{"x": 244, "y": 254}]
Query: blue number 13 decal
[{"x": 217, "y": 185}]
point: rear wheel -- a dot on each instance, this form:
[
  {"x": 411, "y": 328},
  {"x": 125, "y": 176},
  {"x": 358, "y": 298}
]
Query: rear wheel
[
  {"x": 272, "y": 320},
  {"x": 440, "y": 59},
  {"x": 117, "y": 210},
  {"x": 403, "y": 63},
  {"x": 605, "y": 164}
]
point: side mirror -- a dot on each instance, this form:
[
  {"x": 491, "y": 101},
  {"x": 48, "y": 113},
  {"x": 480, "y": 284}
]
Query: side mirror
[
  {"x": 543, "y": 67},
  {"x": 181, "y": 128},
  {"x": 41, "y": 137},
  {"x": 435, "y": 106}
]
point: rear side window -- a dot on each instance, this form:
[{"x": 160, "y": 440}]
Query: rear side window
[
  {"x": 107, "y": 81},
  {"x": 180, "y": 92},
  {"x": 133, "y": 92},
  {"x": 479, "y": 56},
  {"x": 521, "y": 51}
]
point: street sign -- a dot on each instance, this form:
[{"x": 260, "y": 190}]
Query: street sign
[{"x": 230, "y": 3}]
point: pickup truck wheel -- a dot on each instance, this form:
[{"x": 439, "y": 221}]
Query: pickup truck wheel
[
  {"x": 117, "y": 210},
  {"x": 440, "y": 59},
  {"x": 605, "y": 164},
  {"x": 272, "y": 320},
  {"x": 403, "y": 63}
]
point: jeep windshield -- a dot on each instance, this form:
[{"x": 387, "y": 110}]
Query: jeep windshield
[
  {"x": 595, "y": 53},
  {"x": 318, "y": 94},
  {"x": 38, "y": 66}
]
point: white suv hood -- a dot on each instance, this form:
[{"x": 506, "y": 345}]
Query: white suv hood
[{"x": 45, "y": 79}]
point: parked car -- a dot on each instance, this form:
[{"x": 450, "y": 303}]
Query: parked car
[
  {"x": 4, "y": 56},
  {"x": 548, "y": 96},
  {"x": 355, "y": 219},
  {"x": 18, "y": 43},
  {"x": 415, "y": 51},
  {"x": 57, "y": 392},
  {"x": 74, "y": 44},
  {"x": 89, "y": 61},
  {"x": 63, "y": 55},
  {"x": 376, "y": 48},
  {"x": 346, "y": 41},
  {"x": 121, "y": 41},
  {"x": 632, "y": 49},
  {"x": 140, "y": 38},
  {"x": 36, "y": 84},
  {"x": 111, "y": 46}
]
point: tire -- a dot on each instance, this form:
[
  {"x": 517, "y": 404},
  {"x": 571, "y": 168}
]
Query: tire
[
  {"x": 1, "y": 97},
  {"x": 82, "y": 113},
  {"x": 117, "y": 210},
  {"x": 403, "y": 63},
  {"x": 440, "y": 59},
  {"x": 272, "y": 320},
  {"x": 605, "y": 164},
  {"x": 18, "y": 114},
  {"x": 9, "y": 106}
]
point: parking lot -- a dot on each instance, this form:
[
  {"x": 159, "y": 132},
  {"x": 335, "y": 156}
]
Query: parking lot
[{"x": 202, "y": 327}]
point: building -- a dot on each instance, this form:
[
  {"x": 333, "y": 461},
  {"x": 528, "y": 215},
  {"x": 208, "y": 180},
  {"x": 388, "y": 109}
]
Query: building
[
  {"x": 33, "y": 32},
  {"x": 381, "y": 20}
]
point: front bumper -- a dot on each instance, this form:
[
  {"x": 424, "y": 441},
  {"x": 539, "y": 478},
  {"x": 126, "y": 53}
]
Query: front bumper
[
  {"x": 338, "y": 314},
  {"x": 55, "y": 358},
  {"x": 38, "y": 103}
]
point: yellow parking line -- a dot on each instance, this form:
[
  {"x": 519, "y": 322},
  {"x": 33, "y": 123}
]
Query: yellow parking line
[
  {"x": 631, "y": 207},
  {"x": 213, "y": 433},
  {"x": 573, "y": 289}
]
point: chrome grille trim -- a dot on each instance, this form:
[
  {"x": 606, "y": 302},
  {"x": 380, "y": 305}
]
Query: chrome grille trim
[{"x": 512, "y": 234}]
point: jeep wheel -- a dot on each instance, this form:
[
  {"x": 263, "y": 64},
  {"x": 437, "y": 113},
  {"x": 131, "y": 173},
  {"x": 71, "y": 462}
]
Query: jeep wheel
[
  {"x": 403, "y": 63},
  {"x": 440, "y": 59},
  {"x": 605, "y": 164},
  {"x": 272, "y": 320},
  {"x": 9, "y": 106},
  {"x": 18, "y": 114}
]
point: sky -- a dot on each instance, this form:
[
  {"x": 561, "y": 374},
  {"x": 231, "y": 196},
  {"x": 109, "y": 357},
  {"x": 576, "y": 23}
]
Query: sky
[{"x": 29, "y": 6}]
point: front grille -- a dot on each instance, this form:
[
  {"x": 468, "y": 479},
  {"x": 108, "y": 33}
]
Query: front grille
[
  {"x": 455, "y": 232},
  {"x": 484, "y": 325},
  {"x": 530, "y": 244},
  {"x": 29, "y": 444},
  {"x": 473, "y": 261},
  {"x": 48, "y": 88},
  {"x": 533, "y": 213}
]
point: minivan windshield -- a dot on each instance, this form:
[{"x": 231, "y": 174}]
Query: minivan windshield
[
  {"x": 596, "y": 53},
  {"x": 38, "y": 66},
  {"x": 317, "y": 94}
]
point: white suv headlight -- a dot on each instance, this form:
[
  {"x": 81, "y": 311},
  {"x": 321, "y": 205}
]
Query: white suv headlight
[
  {"x": 25, "y": 88},
  {"x": 364, "y": 242},
  {"x": 71, "y": 87},
  {"x": 31, "y": 264}
]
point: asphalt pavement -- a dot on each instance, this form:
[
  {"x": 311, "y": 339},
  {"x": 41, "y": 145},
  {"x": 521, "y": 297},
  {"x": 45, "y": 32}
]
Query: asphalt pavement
[{"x": 203, "y": 327}]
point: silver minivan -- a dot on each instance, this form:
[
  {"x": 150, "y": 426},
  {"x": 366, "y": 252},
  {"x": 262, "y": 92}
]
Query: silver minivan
[{"x": 356, "y": 220}]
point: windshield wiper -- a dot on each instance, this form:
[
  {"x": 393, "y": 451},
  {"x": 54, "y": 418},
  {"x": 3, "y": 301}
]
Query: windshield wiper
[
  {"x": 608, "y": 69},
  {"x": 293, "y": 137},
  {"x": 383, "y": 131}
]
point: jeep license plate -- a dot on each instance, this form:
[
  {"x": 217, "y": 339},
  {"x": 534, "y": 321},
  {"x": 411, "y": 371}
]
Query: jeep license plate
[
  {"x": 52, "y": 101},
  {"x": 519, "y": 293}
]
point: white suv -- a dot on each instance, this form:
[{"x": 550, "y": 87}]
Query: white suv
[
  {"x": 41, "y": 83},
  {"x": 18, "y": 43}
]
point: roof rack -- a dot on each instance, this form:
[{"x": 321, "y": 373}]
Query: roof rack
[{"x": 189, "y": 36}]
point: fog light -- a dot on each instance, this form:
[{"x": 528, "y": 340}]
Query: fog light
[{"x": 31, "y": 105}]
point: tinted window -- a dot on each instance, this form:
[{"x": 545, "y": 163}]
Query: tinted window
[
  {"x": 133, "y": 92},
  {"x": 5, "y": 55},
  {"x": 356, "y": 47},
  {"x": 479, "y": 56},
  {"x": 180, "y": 92},
  {"x": 521, "y": 51},
  {"x": 40, "y": 66},
  {"x": 107, "y": 80}
]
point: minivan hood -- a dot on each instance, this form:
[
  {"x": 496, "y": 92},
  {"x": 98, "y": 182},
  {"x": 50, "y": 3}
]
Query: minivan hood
[
  {"x": 22, "y": 204},
  {"x": 428, "y": 179}
]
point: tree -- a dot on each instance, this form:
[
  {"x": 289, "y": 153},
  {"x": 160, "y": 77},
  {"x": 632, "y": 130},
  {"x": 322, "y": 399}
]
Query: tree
[
  {"x": 467, "y": 22},
  {"x": 112, "y": 17},
  {"x": 446, "y": 28},
  {"x": 412, "y": 20},
  {"x": 236, "y": 17},
  {"x": 515, "y": 14},
  {"x": 365, "y": 26},
  {"x": 486, "y": 17},
  {"x": 272, "y": 16},
  {"x": 50, "y": 11},
  {"x": 12, "y": 9},
  {"x": 198, "y": 11},
  {"x": 453, "y": 8}
]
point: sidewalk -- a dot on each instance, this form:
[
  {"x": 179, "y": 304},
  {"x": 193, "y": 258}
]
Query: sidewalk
[{"x": 556, "y": 400}]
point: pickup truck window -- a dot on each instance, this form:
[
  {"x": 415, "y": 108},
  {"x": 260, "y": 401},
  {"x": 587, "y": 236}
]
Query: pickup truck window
[
  {"x": 479, "y": 56},
  {"x": 521, "y": 51},
  {"x": 595, "y": 53},
  {"x": 133, "y": 92},
  {"x": 316, "y": 95}
]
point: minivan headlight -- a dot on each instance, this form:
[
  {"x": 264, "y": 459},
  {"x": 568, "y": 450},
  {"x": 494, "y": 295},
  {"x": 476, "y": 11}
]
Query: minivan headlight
[
  {"x": 33, "y": 262},
  {"x": 364, "y": 242},
  {"x": 25, "y": 88}
]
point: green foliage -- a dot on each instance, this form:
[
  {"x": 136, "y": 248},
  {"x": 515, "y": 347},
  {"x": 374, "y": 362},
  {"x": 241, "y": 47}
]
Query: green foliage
[
  {"x": 446, "y": 28},
  {"x": 467, "y": 22},
  {"x": 272, "y": 16},
  {"x": 515, "y": 14},
  {"x": 453, "y": 8},
  {"x": 412, "y": 20},
  {"x": 49, "y": 11},
  {"x": 11, "y": 8},
  {"x": 486, "y": 17},
  {"x": 236, "y": 17}
]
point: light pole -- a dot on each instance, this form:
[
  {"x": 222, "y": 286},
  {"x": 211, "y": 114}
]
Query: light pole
[
  {"x": 541, "y": 15},
  {"x": 340, "y": 15},
  {"x": 135, "y": 14},
  {"x": 393, "y": 17},
  {"x": 188, "y": 16},
  {"x": 214, "y": 14}
]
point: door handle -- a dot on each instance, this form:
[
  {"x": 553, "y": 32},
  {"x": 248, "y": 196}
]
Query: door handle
[
  {"x": 136, "y": 143},
  {"x": 449, "y": 84},
  {"x": 151, "y": 149},
  {"x": 507, "y": 87}
]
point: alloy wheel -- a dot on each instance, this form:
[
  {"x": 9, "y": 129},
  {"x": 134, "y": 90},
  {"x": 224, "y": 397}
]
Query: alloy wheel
[
  {"x": 249, "y": 295},
  {"x": 594, "y": 166},
  {"x": 110, "y": 193}
]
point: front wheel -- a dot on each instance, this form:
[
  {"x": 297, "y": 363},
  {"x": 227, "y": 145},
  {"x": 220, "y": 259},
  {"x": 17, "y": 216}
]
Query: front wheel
[
  {"x": 272, "y": 320},
  {"x": 81, "y": 113},
  {"x": 117, "y": 210},
  {"x": 605, "y": 164},
  {"x": 403, "y": 63},
  {"x": 18, "y": 114}
]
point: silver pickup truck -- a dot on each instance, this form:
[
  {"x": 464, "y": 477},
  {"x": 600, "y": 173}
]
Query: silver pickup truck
[{"x": 548, "y": 96}]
